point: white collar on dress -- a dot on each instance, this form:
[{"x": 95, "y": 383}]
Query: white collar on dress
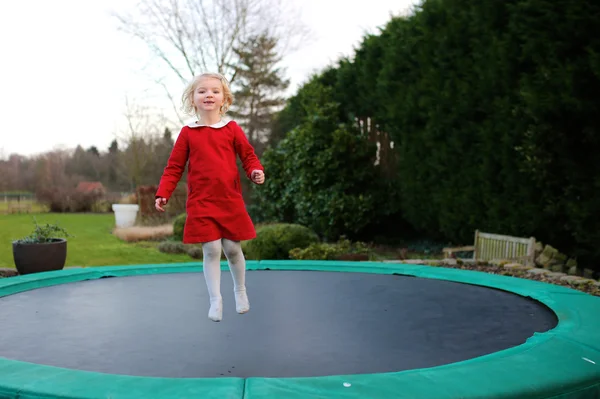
[{"x": 221, "y": 123}]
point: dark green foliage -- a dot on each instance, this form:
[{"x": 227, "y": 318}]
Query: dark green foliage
[
  {"x": 260, "y": 83},
  {"x": 330, "y": 251},
  {"x": 275, "y": 241},
  {"x": 304, "y": 103},
  {"x": 44, "y": 233},
  {"x": 492, "y": 108},
  {"x": 195, "y": 252},
  {"x": 495, "y": 110},
  {"x": 178, "y": 226},
  {"x": 172, "y": 247},
  {"x": 560, "y": 96},
  {"x": 326, "y": 178}
]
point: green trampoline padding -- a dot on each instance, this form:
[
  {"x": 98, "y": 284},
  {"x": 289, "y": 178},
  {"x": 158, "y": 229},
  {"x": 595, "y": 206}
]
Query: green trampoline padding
[{"x": 561, "y": 363}]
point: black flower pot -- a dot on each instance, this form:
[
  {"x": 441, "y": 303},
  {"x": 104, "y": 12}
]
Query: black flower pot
[{"x": 36, "y": 258}]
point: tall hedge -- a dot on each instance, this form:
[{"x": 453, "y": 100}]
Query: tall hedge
[{"x": 492, "y": 109}]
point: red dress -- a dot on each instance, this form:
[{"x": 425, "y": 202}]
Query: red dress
[{"x": 215, "y": 206}]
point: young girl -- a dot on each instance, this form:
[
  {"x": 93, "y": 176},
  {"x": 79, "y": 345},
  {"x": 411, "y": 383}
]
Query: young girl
[{"x": 216, "y": 212}]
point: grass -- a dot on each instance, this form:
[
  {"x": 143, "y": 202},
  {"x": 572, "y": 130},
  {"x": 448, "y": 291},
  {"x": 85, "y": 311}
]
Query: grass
[{"x": 93, "y": 243}]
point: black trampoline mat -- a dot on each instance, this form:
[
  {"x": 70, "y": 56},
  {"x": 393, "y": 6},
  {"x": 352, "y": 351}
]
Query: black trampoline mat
[{"x": 301, "y": 324}]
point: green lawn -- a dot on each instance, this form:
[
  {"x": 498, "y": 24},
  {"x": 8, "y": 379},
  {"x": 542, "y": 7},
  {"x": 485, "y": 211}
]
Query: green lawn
[{"x": 93, "y": 244}]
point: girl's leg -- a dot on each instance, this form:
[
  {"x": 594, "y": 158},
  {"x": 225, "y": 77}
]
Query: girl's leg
[
  {"x": 237, "y": 265},
  {"x": 212, "y": 274}
]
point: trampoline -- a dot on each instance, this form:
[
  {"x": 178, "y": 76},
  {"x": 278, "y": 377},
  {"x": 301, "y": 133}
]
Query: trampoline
[{"x": 315, "y": 330}]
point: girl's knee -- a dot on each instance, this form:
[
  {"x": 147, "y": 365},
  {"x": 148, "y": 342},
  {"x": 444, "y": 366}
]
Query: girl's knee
[
  {"x": 232, "y": 249},
  {"x": 212, "y": 249}
]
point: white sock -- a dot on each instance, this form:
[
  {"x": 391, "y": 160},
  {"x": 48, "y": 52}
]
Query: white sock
[
  {"x": 237, "y": 266},
  {"x": 212, "y": 275}
]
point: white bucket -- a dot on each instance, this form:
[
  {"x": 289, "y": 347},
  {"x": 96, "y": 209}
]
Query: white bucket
[{"x": 125, "y": 214}]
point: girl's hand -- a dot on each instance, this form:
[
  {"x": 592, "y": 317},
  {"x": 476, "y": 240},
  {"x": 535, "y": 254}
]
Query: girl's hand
[
  {"x": 258, "y": 176},
  {"x": 158, "y": 204}
]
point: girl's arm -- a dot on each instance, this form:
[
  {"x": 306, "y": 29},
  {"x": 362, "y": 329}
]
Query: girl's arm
[
  {"x": 175, "y": 166},
  {"x": 246, "y": 152}
]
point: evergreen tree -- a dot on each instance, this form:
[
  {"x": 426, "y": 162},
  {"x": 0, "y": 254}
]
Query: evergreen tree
[
  {"x": 113, "y": 164},
  {"x": 259, "y": 83},
  {"x": 94, "y": 150},
  {"x": 168, "y": 138}
]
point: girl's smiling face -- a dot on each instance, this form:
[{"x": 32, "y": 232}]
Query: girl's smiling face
[{"x": 208, "y": 96}]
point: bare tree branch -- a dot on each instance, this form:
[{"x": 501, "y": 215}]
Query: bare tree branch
[
  {"x": 171, "y": 99},
  {"x": 191, "y": 36},
  {"x": 143, "y": 125}
]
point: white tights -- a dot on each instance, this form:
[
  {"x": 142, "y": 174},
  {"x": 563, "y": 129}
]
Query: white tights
[{"x": 212, "y": 274}]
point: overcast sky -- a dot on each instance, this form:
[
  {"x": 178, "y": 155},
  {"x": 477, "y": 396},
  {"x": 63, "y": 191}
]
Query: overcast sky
[{"x": 65, "y": 69}]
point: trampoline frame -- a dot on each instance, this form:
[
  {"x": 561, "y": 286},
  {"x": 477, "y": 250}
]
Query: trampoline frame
[{"x": 561, "y": 363}]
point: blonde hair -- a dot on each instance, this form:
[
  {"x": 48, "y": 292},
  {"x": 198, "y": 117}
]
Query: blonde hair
[{"x": 187, "y": 98}]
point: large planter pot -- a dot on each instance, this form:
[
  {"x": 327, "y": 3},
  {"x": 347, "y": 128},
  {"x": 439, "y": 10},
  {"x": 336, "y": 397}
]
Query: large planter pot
[
  {"x": 125, "y": 214},
  {"x": 36, "y": 258}
]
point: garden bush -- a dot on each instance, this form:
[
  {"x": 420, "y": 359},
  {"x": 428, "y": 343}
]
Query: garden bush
[
  {"x": 67, "y": 199},
  {"x": 327, "y": 179},
  {"x": 344, "y": 249},
  {"x": 101, "y": 206},
  {"x": 178, "y": 225},
  {"x": 195, "y": 252},
  {"x": 172, "y": 247},
  {"x": 275, "y": 241}
]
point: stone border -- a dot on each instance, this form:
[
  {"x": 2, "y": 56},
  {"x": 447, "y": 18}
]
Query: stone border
[
  {"x": 6, "y": 272},
  {"x": 507, "y": 268}
]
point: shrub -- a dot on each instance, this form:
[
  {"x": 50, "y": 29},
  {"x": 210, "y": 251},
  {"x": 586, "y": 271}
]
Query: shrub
[
  {"x": 317, "y": 251},
  {"x": 275, "y": 241},
  {"x": 342, "y": 250},
  {"x": 178, "y": 225},
  {"x": 172, "y": 247},
  {"x": 67, "y": 199},
  {"x": 101, "y": 206},
  {"x": 195, "y": 252},
  {"x": 327, "y": 175}
]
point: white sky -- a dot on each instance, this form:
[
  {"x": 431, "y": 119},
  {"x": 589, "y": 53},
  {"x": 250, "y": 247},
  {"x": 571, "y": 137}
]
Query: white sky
[{"x": 65, "y": 69}]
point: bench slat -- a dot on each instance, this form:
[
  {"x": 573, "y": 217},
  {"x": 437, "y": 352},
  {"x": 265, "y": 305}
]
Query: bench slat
[
  {"x": 505, "y": 238},
  {"x": 488, "y": 246}
]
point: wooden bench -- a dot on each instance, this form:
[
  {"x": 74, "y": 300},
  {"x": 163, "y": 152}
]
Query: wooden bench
[{"x": 489, "y": 247}]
